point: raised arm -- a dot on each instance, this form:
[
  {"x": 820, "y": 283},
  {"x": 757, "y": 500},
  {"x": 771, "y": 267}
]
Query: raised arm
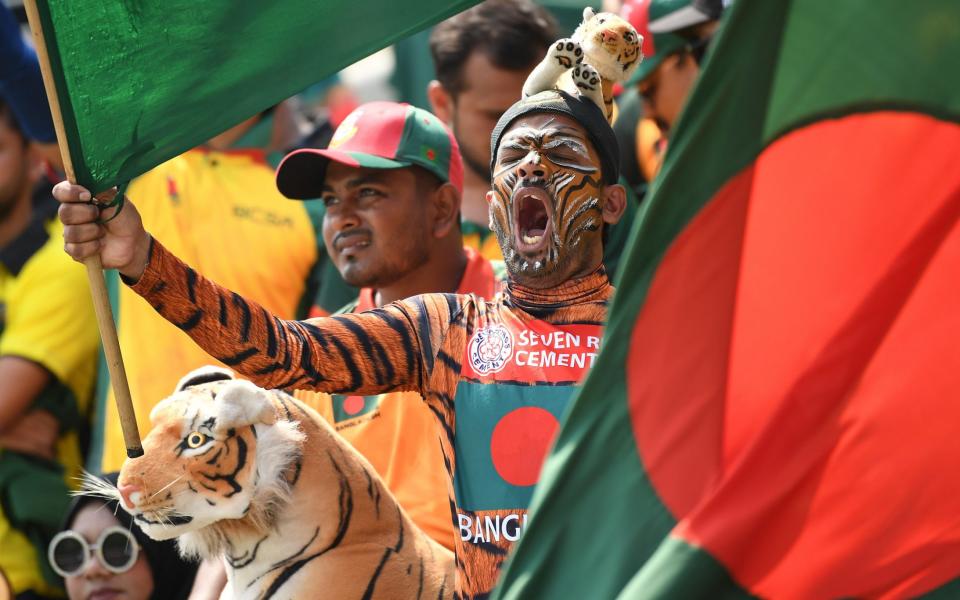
[{"x": 382, "y": 350}]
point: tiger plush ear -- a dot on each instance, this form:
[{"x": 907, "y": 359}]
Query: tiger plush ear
[
  {"x": 588, "y": 14},
  {"x": 241, "y": 403},
  {"x": 202, "y": 375}
]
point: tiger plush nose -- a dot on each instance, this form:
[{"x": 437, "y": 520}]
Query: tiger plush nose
[
  {"x": 130, "y": 494},
  {"x": 609, "y": 36}
]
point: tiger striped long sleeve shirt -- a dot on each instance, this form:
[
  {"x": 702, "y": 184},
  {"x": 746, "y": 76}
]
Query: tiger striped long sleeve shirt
[{"x": 497, "y": 375}]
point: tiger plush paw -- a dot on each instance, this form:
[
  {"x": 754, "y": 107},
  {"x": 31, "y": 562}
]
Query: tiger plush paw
[
  {"x": 604, "y": 50},
  {"x": 588, "y": 82},
  {"x": 565, "y": 53},
  {"x": 586, "y": 78},
  {"x": 562, "y": 56}
]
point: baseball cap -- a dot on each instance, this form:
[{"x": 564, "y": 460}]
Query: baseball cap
[
  {"x": 378, "y": 135},
  {"x": 657, "y": 20}
]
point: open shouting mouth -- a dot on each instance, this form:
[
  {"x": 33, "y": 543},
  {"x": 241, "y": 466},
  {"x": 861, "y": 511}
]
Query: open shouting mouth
[{"x": 533, "y": 219}]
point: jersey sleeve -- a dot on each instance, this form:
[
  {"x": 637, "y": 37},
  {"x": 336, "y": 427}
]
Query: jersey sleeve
[{"x": 389, "y": 349}]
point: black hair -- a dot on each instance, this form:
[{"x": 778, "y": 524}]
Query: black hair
[{"x": 513, "y": 34}]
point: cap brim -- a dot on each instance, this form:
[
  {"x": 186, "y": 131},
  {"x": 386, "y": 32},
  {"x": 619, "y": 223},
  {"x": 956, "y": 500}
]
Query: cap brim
[
  {"x": 679, "y": 19},
  {"x": 301, "y": 173}
]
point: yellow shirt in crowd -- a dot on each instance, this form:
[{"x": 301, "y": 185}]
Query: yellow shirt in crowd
[
  {"x": 46, "y": 316},
  {"x": 222, "y": 214}
]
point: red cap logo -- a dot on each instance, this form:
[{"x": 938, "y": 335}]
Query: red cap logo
[{"x": 346, "y": 131}]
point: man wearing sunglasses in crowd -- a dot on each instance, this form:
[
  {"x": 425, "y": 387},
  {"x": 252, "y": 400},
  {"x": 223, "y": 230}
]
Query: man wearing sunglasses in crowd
[
  {"x": 676, "y": 36},
  {"x": 101, "y": 554}
]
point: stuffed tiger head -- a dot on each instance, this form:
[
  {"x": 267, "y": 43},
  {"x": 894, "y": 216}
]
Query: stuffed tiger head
[
  {"x": 610, "y": 44},
  {"x": 259, "y": 479},
  {"x": 217, "y": 456}
]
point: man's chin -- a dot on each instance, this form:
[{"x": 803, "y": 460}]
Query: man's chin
[
  {"x": 535, "y": 271},
  {"x": 358, "y": 276}
]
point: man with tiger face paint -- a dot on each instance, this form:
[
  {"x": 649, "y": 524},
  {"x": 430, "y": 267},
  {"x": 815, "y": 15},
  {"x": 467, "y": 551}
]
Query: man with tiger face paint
[
  {"x": 497, "y": 374},
  {"x": 549, "y": 205}
]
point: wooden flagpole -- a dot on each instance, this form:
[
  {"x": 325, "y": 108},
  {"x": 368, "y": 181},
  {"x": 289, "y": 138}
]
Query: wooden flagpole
[{"x": 98, "y": 288}]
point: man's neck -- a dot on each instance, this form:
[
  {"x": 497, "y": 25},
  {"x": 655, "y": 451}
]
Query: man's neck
[
  {"x": 585, "y": 288},
  {"x": 15, "y": 221},
  {"x": 441, "y": 274}
]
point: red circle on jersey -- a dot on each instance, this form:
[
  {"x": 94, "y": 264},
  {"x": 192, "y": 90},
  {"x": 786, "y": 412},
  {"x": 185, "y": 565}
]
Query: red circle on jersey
[
  {"x": 520, "y": 442},
  {"x": 353, "y": 404}
]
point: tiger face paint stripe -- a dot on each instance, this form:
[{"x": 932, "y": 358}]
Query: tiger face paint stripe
[{"x": 545, "y": 196}]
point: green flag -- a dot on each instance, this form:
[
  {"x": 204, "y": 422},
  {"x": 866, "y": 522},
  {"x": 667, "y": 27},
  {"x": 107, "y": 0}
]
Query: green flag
[
  {"x": 774, "y": 412},
  {"x": 141, "y": 82}
]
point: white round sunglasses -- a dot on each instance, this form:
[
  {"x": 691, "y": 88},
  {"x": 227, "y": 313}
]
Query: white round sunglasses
[{"x": 116, "y": 549}]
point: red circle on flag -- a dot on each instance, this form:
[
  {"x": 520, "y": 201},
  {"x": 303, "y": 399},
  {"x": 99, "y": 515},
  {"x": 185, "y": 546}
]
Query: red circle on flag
[
  {"x": 520, "y": 442},
  {"x": 353, "y": 404},
  {"x": 792, "y": 339}
]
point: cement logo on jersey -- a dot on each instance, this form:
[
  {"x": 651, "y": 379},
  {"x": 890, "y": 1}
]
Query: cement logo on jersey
[{"x": 490, "y": 349}]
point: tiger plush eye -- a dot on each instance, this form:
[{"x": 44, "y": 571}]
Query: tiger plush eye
[{"x": 196, "y": 439}]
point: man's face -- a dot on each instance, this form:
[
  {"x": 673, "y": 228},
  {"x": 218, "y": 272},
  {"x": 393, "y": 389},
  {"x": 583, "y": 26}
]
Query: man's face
[
  {"x": 546, "y": 206},
  {"x": 665, "y": 90},
  {"x": 489, "y": 91},
  {"x": 15, "y": 168},
  {"x": 375, "y": 223}
]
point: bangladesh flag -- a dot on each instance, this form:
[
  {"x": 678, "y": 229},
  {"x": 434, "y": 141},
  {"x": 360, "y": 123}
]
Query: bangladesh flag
[
  {"x": 776, "y": 409},
  {"x": 140, "y": 82}
]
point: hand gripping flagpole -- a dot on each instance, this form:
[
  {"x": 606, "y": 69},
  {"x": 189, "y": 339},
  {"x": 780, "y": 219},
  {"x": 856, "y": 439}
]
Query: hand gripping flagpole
[{"x": 98, "y": 288}]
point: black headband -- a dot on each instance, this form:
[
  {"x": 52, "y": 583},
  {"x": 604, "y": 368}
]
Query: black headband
[{"x": 580, "y": 109}]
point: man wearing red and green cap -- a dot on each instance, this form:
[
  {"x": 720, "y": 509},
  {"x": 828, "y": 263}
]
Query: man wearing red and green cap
[
  {"x": 391, "y": 182},
  {"x": 675, "y": 36},
  {"x": 496, "y": 374}
]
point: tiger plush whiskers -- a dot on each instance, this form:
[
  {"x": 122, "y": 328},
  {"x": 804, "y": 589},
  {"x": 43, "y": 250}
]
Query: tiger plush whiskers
[
  {"x": 91, "y": 485},
  {"x": 165, "y": 488}
]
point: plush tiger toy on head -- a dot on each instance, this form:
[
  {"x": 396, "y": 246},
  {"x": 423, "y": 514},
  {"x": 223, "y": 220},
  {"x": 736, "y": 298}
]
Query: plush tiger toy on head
[
  {"x": 256, "y": 477},
  {"x": 605, "y": 49}
]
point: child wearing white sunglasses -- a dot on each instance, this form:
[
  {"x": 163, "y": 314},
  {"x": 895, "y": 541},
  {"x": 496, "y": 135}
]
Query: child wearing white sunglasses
[{"x": 103, "y": 555}]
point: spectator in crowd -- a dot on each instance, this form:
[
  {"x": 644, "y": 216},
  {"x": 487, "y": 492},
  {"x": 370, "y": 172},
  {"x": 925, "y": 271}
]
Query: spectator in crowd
[
  {"x": 48, "y": 348},
  {"x": 21, "y": 85},
  {"x": 482, "y": 57},
  {"x": 393, "y": 229},
  {"x": 676, "y": 36},
  {"x": 101, "y": 553}
]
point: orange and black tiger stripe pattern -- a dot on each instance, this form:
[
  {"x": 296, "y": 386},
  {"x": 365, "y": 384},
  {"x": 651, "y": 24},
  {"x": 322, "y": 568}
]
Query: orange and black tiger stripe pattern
[{"x": 419, "y": 344}]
